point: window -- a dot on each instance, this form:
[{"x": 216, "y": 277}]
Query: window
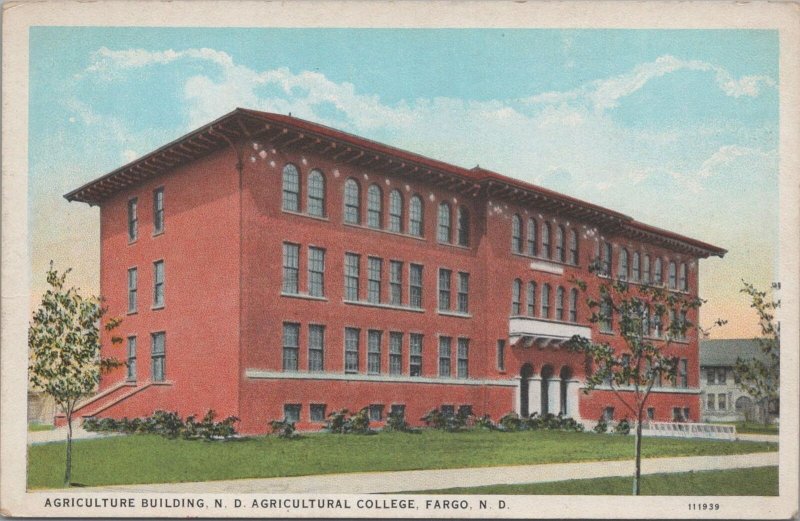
[
  {"x": 683, "y": 282},
  {"x": 658, "y": 275},
  {"x": 351, "y": 275},
  {"x": 545, "y": 298},
  {"x": 606, "y": 316},
  {"x": 395, "y": 353},
  {"x": 444, "y": 289},
  {"x": 573, "y": 247},
  {"x": 291, "y": 264},
  {"x": 133, "y": 219},
  {"x": 711, "y": 374},
  {"x": 646, "y": 270},
  {"x": 607, "y": 259},
  {"x": 465, "y": 410},
  {"x": 396, "y": 282},
  {"x": 375, "y": 412},
  {"x": 711, "y": 401},
  {"x": 395, "y": 211},
  {"x": 651, "y": 413},
  {"x": 291, "y": 412},
  {"x": 682, "y": 325},
  {"x": 516, "y": 289},
  {"x": 683, "y": 373},
  {"x": 316, "y": 272},
  {"x": 415, "y": 286},
  {"x": 560, "y": 303},
  {"x": 462, "y": 223},
  {"x": 415, "y": 216},
  {"x": 561, "y": 253},
  {"x": 133, "y": 282},
  {"x": 722, "y": 376},
  {"x": 351, "y": 349},
  {"x": 608, "y": 414},
  {"x": 531, "y": 300},
  {"x": 352, "y": 203},
  {"x": 463, "y": 358},
  {"x": 291, "y": 188},
  {"x": 448, "y": 410},
  {"x": 573, "y": 305},
  {"x": 686, "y": 415},
  {"x": 132, "y": 358},
  {"x": 636, "y": 267},
  {"x": 374, "y": 351},
  {"x": 721, "y": 402},
  {"x": 158, "y": 355},
  {"x": 291, "y": 346},
  {"x": 546, "y": 240},
  {"x": 158, "y": 211},
  {"x": 463, "y": 293},
  {"x": 501, "y": 355},
  {"x": 516, "y": 234},
  {"x": 315, "y": 204},
  {"x": 158, "y": 284},
  {"x": 672, "y": 283},
  {"x": 658, "y": 326},
  {"x": 443, "y": 234},
  {"x": 677, "y": 414},
  {"x": 532, "y": 246},
  {"x": 444, "y": 355},
  {"x": 622, "y": 267},
  {"x": 415, "y": 356},
  {"x": 398, "y": 409},
  {"x": 316, "y": 348},
  {"x": 374, "y": 204},
  {"x": 317, "y": 411},
  {"x": 374, "y": 268}
]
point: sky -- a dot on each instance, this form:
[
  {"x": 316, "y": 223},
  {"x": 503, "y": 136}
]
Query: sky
[{"x": 676, "y": 128}]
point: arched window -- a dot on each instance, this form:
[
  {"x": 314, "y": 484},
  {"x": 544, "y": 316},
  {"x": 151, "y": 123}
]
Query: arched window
[
  {"x": 573, "y": 247},
  {"x": 545, "y": 299},
  {"x": 607, "y": 258},
  {"x": 646, "y": 270},
  {"x": 573, "y": 305},
  {"x": 374, "y": 206},
  {"x": 415, "y": 216},
  {"x": 315, "y": 203},
  {"x": 532, "y": 246},
  {"x": 395, "y": 211},
  {"x": 291, "y": 188},
  {"x": 560, "y": 303},
  {"x": 636, "y": 267},
  {"x": 352, "y": 202},
  {"x": 462, "y": 222},
  {"x": 561, "y": 253},
  {"x": 444, "y": 222},
  {"x": 683, "y": 281},
  {"x": 531, "y": 298},
  {"x": 672, "y": 282},
  {"x": 658, "y": 273},
  {"x": 546, "y": 240},
  {"x": 516, "y": 289},
  {"x": 622, "y": 268},
  {"x": 516, "y": 234}
]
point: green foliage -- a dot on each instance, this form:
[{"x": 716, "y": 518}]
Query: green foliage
[
  {"x": 396, "y": 422},
  {"x": 601, "y": 427},
  {"x": 510, "y": 422},
  {"x": 359, "y": 422},
  {"x": 283, "y": 429},
  {"x": 622, "y": 427},
  {"x": 485, "y": 423},
  {"x": 338, "y": 422},
  {"x": 439, "y": 420},
  {"x": 168, "y": 425}
]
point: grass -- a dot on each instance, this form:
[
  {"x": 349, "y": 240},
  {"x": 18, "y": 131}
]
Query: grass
[
  {"x": 754, "y": 428},
  {"x": 760, "y": 481},
  {"x": 36, "y": 427},
  {"x": 153, "y": 459}
]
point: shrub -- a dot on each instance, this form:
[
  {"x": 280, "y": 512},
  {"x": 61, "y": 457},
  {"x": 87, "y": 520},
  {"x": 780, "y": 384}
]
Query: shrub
[
  {"x": 434, "y": 419},
  {"x": 622, "y": 427},
  {"x": 511, "y": 422},
  {"x": 283, "y": 429},
  {"x": 167, "y": 424},
  {"x": 485, "y": 422},
  {"x": 396, "y": 422},
  {"x": 601, "y": 427},
  {"x": 359, "y": 422},
  {"x": 338, "y": 422}
]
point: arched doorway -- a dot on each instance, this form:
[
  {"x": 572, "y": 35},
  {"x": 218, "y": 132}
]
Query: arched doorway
[
  {"x": 566, "y": 376},
  {"x": 525, "y": 372},
  {"x": 547, "y": 374}
]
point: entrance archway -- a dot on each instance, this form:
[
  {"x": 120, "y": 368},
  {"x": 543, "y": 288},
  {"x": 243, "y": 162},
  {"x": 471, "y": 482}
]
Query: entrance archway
[
  {"x": 547, "y": 374},
  {"x": 525, "y": 372},
  {"x": 566, "y": 376}
]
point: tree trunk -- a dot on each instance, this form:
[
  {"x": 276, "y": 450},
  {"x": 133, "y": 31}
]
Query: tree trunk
[
  {"x": 68, "y": 474},
  {"x": 638, "y": 449}
]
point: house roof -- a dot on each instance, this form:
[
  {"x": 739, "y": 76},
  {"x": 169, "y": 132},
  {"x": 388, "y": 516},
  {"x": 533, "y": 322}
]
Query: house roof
[
  {"x": 724, "y": 352},
  {"x": 291, "y": 132}
]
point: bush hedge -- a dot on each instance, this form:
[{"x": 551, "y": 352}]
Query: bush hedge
[{"x": 167, "y": 424}]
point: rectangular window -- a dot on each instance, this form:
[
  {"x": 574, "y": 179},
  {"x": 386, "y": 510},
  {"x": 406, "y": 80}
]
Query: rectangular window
[
  {"x": 396, "y": 283},
  {"x": 291, "y": 346},
  {"x": 606, "y": 262},
  {"x": 158, "y": 210},
  {"x": 317, "y": 412},
  {"x": 722, "y": 375},
  {"x": 132, "y": 358},
  {"x": 133, "y": 283},
  {"x": 444, "y": 289},
  {"x": 351, "y": 275},
  {"x": 463, "y": 358},
  {"x": 608, "y": 414},
  {"x": 711, "y": 375},
  {"x": 158, "y": 354},
  {"x": 291, "y": 268},
  {"x": 316, "y": 272},
  {"x": 351, "y": 336},
  {"x": 445, "y": 343},
  {"x": 573, "y": 247},
  {"x": 465, "y": 410},
  {"x": 721, "y": 404},
  {"x": 677, "y": 414},
  {"x": 133, "y": 219},
  {"x": 395, "y": 353},
  {"x": 683, "y": 373},
  {"x": 415, "y": 286},
  {"x": 415, "y": 358},
  {"x": 606, "y": 317},
  {"x": 651, "y": 413},
  {"x": 398, "y": 409},
  {"x": 158, "y": 284},
  {"x": 291, "y": 412},
  {"x": 448, "y": 410},
  {"x": 501, "y": 355},
  {"x": 374, "y": 268},
  {"x": 686, "y": 415},
  {"x": 316, "y": 348},
  {"x": 375, "y": 412},
  {"x": 463, "y": 292},
  {"x": 531, "y": 298},
  {"x": 373, "y": 352}
]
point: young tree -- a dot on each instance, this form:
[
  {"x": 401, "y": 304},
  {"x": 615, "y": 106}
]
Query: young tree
[
  {"x": 760, "y": 378},
  {"x": 64, "y": 348},
  {"x": 648, "y": 319}
]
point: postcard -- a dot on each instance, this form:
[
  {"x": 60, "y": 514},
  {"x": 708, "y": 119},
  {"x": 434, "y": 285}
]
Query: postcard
[{"x": 400, "y": 259}]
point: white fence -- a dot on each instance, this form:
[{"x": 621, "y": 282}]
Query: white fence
[{"x": 690, "y": 430}]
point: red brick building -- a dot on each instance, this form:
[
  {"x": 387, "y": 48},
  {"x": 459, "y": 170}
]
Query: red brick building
[{"x": 265, "y": 266}]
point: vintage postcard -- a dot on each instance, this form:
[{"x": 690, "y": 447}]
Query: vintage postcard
[{"x": 400, "y": 259}]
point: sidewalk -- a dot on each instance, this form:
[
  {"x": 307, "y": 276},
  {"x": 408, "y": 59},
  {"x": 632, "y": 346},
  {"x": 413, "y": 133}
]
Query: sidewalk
[
  {"x": 383, "y": 482},
  {"x": 60, "y": 434},
  {"x": 772, "y": 438}
]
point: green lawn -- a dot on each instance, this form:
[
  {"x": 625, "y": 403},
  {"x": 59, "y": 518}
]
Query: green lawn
[
  {"x": 152, "y": 459},
  {"x": 35, "y": 427},
  {"x": 761, "y": 481},
  {"x": 755, "y": 428}
]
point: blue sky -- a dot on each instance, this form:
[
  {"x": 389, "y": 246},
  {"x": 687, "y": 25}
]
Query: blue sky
[{"x": 677, "y": 128}]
